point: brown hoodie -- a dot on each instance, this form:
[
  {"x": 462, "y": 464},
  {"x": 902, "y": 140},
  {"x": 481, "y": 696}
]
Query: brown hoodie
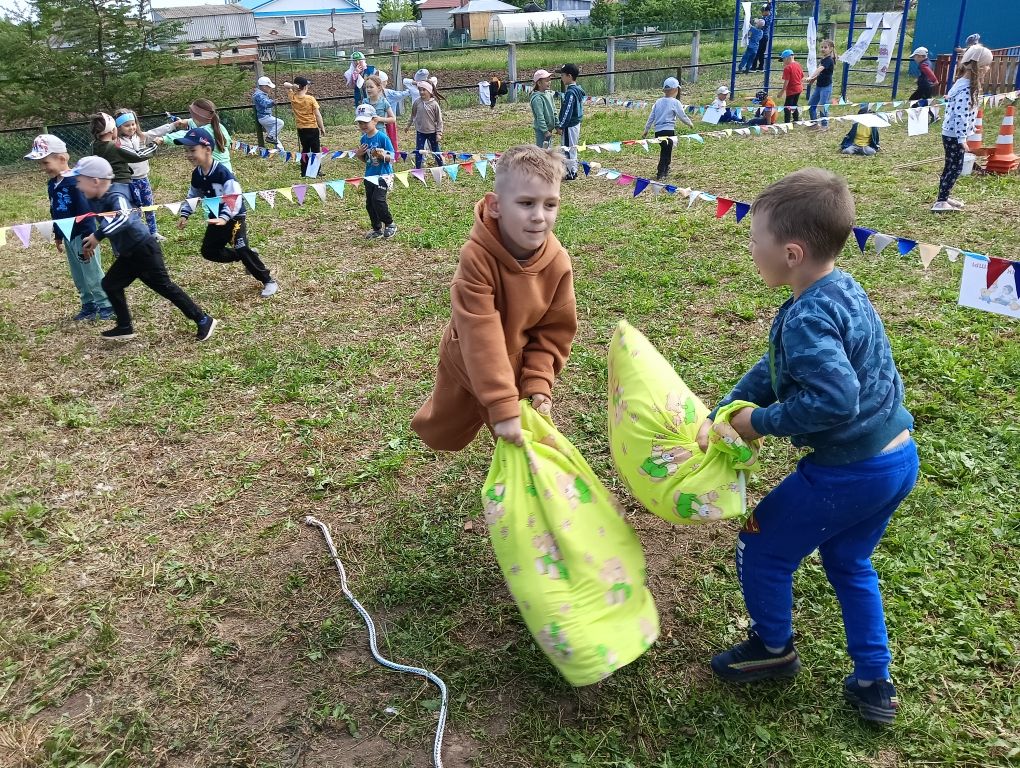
[{"x": 512, "y": 323}]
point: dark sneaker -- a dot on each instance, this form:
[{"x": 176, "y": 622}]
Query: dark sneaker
[
  {"x": 118, "y": 334},
  {"x": 570, "y": 177},
  {"x": 375, "y": 234},
  {"x": 105, "y": 313},
  {"x": 390, "y": 231},
  {"x": 751, "y": 660},
  {"x": 88, "y": 312},
  {"x": 206, "y": 326},
  {"x": 876, "y": 703}
]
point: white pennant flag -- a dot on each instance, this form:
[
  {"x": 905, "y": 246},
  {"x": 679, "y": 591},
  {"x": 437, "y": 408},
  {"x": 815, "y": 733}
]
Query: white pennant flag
[
  {"x": 437, "y": 174},
  {"x": 44, "y": 228},
  {"x": 692, "y": 197},
  {"x": 193, "y": 202},
  {"x": 953, "y": 253},
  {"x": 174, "y": 208},
  {"x": 320, "y": 190},
  {"x": 882, "y": 241}
]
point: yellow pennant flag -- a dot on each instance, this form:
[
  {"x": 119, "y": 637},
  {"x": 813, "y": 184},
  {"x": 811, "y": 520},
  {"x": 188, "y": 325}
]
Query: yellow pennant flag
[
  {"x": 147, "y": 208},
  {"x": 402, "y": 177},
  {"x": 287, "y": 193},
  {"x": 928, "y": 253},
  {"x": 3, "y": 236}
]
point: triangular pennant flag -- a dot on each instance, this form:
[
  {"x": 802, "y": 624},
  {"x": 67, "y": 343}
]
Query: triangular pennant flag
[
  {"x": 44, "y": 228},
  {"x": 437, "y": 173},
  {"x": 212, "y": 205},
  {"x": 337, "y": 186},
  {"x": 24, "y": 232},
  {"x": 586, "y": 167},
  {"x": 355, "y": 182},
  {"x": 953, "y": 253},
  {"x": 148, "y": 208},
  {"x": 468, "y": 166},
  {"x": 300, "y": 190},
  {"x": 419, "y": 173},
  {"x": 722, "y": 206},
  {"x": 1016, "y": 276},
  {"x": 3, "y": 236},
  {"x": 483, "y": 167},
  {"x": 453, "y": 170},
  {"x": 696, "y": 137},
  {"x": 640, "y": 185},
  {"x": 996, "y": 267},
  {"x": 625, "y": 180},
  {"x": 692, "y": 196},
  {"x": 286, "y": 192},
  {"x": 613, "y": 175},
  {"x": 269, "y": 195},
  {"x": 373, "y": 180},
  {"x": 882, "y": 241},
  {"x": 905, "y": 246},
  {"x": 249, "y": 199},
  {"x": 193, "y": 202},
  {"x": 230, "y": 200},
  {"x": 596, "y": 148},
  {"x": 175, "y": 208},
  {"x": 582, "y": 147},
  {"x": 401, "y": 177},
  {"x": 614, "y": 146},
  {"x": 742, "y": 210},
  {"x": 644, "y": 144},
  {"x": 862, "y": 234},
  {"x": 66, "y": 225},
  {"x": 928, "y": 253}
]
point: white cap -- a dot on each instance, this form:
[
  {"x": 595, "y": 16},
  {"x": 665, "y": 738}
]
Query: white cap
[
  {"x": 921, "y": 51},
  {"x": 46, "y": 144},
  {"x": 670, "y": 83},
  {"x": 365, "y": 113},
  {"x": 420, "y": 75},
  {"x": 722, "y": 90},
  {"x": 265, "y": 81},
  {"x": 92, "y": 166},
  {"x": 382, "y": 76}
]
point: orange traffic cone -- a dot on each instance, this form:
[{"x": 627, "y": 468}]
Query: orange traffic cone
[
  {"x": 975, "y": 139},
  {"x": 1004, "y": 159}
]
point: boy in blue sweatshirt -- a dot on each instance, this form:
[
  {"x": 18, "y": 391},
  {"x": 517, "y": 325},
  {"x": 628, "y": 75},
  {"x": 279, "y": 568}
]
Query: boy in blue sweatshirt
[
  {"x": 571, "y": 114},
  {"x": 139, "y": 256},
  {"x": 665, "y": 112},
  {"x": 67, "y": 202},
  {"x": 377, "y": 152},
  {"x": 829, "y": 383},
  {"x": 226, "y": 236}
]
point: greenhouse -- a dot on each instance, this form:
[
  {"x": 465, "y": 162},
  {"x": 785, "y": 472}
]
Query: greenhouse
[
  {"x": 407, "y": 35},
  {"x": 521, "y": 27}
]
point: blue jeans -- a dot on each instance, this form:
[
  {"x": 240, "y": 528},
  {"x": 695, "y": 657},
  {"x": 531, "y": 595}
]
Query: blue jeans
[
  {"x": 87, "y": 276},
  {"x": 820, "y": 98},
  {"x": 842, "y": 512},
  {"x": 420, "y": 140},
  {"x": 750, "y": 54}
]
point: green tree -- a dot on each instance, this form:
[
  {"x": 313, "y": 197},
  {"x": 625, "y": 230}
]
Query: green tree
[
  {"x": 395, "y": 10},
  {"x": 605, "y": 14}
]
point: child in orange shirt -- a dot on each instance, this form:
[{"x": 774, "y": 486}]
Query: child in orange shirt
[{"x": 513, "y": 312}]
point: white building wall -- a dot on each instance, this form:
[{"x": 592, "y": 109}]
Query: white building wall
[
  {"x": 348, "y": 27},
  {"x": 438, "y": 18}
]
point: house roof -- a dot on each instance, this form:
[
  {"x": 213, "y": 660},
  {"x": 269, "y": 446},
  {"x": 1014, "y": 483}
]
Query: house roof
[
  {"x": 188, "y": 11},
  {"x": 261, "y": 5},
  {"x": 486, "y": 6},
  {"x": 438, "y": 5}
]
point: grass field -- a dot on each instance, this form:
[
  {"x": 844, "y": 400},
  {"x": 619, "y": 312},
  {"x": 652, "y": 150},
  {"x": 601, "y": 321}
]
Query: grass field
[{"x": 163, "y": 605}]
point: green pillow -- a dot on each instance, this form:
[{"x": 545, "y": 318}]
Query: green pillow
[
  {"x": 653, "y": 425},
  {"x": 574, "y": 566}
]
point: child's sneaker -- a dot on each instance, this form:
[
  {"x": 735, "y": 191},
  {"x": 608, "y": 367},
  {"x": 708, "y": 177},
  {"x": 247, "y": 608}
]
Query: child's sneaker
[
  {"x": 118, "y": 334},
  {"x": 876, "y": 703},
  {"x": 751, "y": 660},
  {"x": 270, "y": 289},
  {"x": 390, "y": 231},
  {"x": 88, "y": 312},
  {"x": 106, "y": 313},
  {"x": 374, "y": 234},
  {"x": 206, "y": 326},
  {"x": 160, "y": 238}
]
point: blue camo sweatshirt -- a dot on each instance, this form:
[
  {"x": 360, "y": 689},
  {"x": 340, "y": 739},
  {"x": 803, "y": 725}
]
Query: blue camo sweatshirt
[
  {"x": 66, "y": 200},
  {"x": 828, "y": 380}
]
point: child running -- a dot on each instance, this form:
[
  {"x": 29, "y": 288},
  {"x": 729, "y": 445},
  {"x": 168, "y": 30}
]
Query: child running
[
  {"x": 67, "y": 202},
  {"x": 829, "y": 383},
  {"x": 513, "y": 310},
  {"x": 375, "y": 93},
  {"x": 427, "y": 119},
  {"x": 665, "y": 112},
  {"x": 226, "y": 236},
  {"x": 139, "y": 256},
  {"x": 377, "y": 152},
  {"x": 203, "y": 115},
  {"x": 130, "y": 135},
  {"x": 104, "y": 145}
]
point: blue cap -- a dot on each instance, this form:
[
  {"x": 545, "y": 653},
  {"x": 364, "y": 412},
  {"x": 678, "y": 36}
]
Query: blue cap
[
  {"x": 196, "y": 137},
  {"x": 787, "y": 52}
]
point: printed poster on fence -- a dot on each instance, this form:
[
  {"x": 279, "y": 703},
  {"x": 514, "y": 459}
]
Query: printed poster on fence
[{"x": 1001, "y": 297}]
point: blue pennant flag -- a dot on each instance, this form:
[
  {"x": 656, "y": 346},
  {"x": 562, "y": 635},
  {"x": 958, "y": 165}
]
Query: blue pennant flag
[
  {"x": 742, "y": 210},
  {"x": 905, "y": 246},
  {"x": 212, "y": 204},
  {"x": 403, "y": 155},
  {"x": 863, "y": 234},
  {"x": 586, "y": 167},
  {"x": 671, "y": 189},
  {"x": 640, "y": 185},
  {"x": 265, "y": 153}
]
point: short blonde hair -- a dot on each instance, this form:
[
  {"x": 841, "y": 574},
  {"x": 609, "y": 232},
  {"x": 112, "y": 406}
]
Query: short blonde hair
[
  {"x": 810, "y": 206},
  {"x": 531, "y": 160}
]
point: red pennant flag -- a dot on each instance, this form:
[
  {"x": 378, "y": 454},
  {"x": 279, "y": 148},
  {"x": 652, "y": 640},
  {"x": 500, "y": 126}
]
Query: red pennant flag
[
  {"x": 722, "y": 206},
  {"x": 995, "y": 269},
  {"x": 354, "y": 182},
  {"x": 230, "y": 200},
  {"x": 469, "y": 166}
]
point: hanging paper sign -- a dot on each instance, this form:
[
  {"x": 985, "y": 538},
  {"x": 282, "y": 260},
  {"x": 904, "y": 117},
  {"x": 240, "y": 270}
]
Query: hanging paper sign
[
  {"x": 858, "y": 49},
  {"x": 812, "y": 43},
  {"x": 746, "y": 7},
  {"x": 312, "y": 169},
  {"x": 891, "y": 21},
  {"x": 712, "y": 115},
  {"x": 1000, "y": 297},
  {"x": 917, "y": 121}
]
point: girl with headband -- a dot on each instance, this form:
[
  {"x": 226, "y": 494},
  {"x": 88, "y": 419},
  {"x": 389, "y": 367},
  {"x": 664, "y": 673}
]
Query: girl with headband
[
  {"x": 104, "y": 145},
  {"x": 131, "y": 136},
  {"x": 204, "y": 116}
]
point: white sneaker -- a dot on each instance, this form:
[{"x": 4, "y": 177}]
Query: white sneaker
[
  {"x": 942, "y": 206},
  {"x": 270, "y": 289},
  {"x": 958, "y": 204},
  {"x": 159, "y": 237}
]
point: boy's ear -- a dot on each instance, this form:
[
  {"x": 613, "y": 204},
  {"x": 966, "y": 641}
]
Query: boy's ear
[
  {"x": 492, "y": 204},
  {"x": 795, "y": 255}
]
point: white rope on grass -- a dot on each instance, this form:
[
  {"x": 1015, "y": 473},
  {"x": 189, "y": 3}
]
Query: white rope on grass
[{"x": 437, "y": 747}]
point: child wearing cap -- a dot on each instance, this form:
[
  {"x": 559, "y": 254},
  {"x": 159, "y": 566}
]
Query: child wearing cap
[
  {"x": 513, "y": 313},
  {"x": 355, "y": 76},
  {"x": 67, "y": 202},
  {"x": 665, "y": 112},
  {"x": 793, "y": 86},
  {"x": 765, "y": 113},
  {"x": 427, "y": 119},
  {"x": 130, "y": 135},
  {"x": 754, "y": 36},
  {"x": 264, "y": 111},
  {"x": 307, "y": 117},
  {"x": 104, "y": 144},
  {"x": 377, "y": 152},
  {"x": 542, "y": 112},
  {"x": 226, "y": 236},
  {"x": 926, "y": 79},
  {"x": 722, "y": 93},
  {"x": 203, "y": 115},
  {"x": 411, "y": 84},
  {"x": 139, "y": 256},
  {"x": 571, "y": 114}
]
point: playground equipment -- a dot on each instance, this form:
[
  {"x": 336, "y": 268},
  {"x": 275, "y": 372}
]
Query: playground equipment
[
  {"x": 787, "y": 25},
  {"x": 869, "y": 18}
]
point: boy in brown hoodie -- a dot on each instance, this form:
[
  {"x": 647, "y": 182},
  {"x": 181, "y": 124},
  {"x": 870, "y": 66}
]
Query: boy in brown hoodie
[{"x": 513, "y": 313}]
